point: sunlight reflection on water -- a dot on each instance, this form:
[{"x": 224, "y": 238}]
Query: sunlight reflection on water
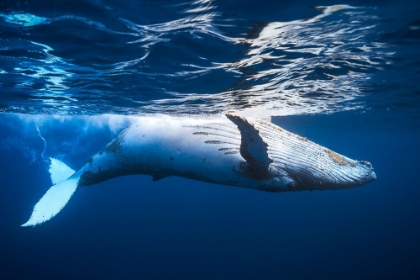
[{"x": 200, "y": 62}]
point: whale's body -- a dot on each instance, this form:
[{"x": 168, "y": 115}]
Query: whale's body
[{"x": 228, "y": 150}]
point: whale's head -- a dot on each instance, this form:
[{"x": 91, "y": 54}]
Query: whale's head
[
  {"x": 284, "y": 161},
  {"x": 357, "y": 174},
  {"x": 329, "y": 173}
]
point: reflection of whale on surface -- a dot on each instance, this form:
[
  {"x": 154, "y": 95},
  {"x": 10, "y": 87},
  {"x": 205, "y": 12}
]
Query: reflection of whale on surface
[{"x": 229, "y": 151}]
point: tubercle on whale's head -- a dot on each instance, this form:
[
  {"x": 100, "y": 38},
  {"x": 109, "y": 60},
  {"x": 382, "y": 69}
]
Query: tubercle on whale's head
[{"x": 367, "y": 174}]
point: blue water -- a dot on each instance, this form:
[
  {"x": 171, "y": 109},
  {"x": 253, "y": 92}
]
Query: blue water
[{"x": 74, "y": 73}]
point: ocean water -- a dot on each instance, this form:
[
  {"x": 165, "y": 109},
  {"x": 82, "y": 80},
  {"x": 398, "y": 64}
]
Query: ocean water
[{"x": 73, "y": 74}]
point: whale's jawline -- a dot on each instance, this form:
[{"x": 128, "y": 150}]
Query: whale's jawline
[{"x": 305, "y": 180}]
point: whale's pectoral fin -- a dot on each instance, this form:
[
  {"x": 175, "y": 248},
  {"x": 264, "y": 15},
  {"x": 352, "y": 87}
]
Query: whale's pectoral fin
[
  {"x": 57, "y": 196},
  {"x": 253, "y": 148}
]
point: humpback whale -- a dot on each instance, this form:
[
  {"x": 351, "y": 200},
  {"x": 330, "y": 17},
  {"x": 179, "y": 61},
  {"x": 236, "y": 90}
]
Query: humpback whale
[{"x": 228, "y": 150}]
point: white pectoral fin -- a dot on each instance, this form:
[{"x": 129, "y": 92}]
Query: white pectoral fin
[{"x": 56, "y": 197}]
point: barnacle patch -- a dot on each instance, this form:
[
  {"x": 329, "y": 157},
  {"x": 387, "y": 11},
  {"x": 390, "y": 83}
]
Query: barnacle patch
[
  {"x": 302, "y": 138},
  {"x": 336, "y": 157}
]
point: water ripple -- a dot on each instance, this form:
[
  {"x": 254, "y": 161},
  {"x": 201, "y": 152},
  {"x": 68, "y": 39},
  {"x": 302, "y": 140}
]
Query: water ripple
[{"x": 187, "y": 58}]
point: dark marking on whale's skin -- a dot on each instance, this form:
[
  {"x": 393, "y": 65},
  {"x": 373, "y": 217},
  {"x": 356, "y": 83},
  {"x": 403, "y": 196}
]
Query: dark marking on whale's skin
[
  {"x": 114, "y": 146},
  {"x": 231, "y": 152}
]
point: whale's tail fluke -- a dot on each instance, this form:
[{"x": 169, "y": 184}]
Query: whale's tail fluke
[{"x": 65, "y": 183}]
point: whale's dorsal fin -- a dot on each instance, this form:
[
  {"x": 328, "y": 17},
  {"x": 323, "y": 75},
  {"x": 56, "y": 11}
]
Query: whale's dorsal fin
[{"x": 253, "y": 148}]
